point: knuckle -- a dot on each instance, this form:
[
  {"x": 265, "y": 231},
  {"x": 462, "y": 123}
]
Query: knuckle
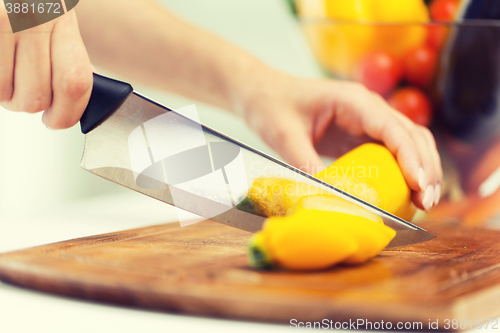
[
  {"x": 427, "y": 133},
  {"x": 280, "y": 135},
  {"x": 360, "y": 88},
  {"x": 378, "y": 98},
  {"x": 433, "y": 142},
  {"x": 76, "y": 83}
]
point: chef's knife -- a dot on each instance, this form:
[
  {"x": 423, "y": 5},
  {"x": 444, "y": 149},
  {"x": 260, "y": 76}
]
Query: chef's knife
[{"x": 138, "y": 143}]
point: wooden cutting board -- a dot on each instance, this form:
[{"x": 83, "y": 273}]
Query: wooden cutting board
[{"x": 202, "y": 269}]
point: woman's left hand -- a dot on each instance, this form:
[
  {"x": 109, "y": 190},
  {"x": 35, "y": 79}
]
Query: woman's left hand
[{"x": 300, "y": 118}]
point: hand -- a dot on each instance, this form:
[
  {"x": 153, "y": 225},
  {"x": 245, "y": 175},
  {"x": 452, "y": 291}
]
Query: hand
[
  {"x": 45, "y": 68},
  {"x": 301, "y": 117}
]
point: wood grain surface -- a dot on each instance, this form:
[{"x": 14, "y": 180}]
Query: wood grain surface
[{"x": 202, "y": 269}]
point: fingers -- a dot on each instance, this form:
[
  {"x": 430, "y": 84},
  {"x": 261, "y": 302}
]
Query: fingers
[
  {"x": 437, "y": 166},
  {"x": 390, "y": 130},
  {"x": 431, "y": 166},
  {"x": 7, "y": 54},
  {"x": 32, "y": 74},
  {"x": 71, "y": 75},
  {"x": 431, "y": 174},
  {"x": 436, "y": 160},
  {"x": 427, "y": 179},
  {"x": 421, "y": 198},
  {"x": 412, "y": 145},
  {"x": 44, "y": 70}
]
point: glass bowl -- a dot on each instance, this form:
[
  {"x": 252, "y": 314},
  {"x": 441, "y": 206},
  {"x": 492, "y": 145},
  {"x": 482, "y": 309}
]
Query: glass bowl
[{"x": 464, "y": 94}]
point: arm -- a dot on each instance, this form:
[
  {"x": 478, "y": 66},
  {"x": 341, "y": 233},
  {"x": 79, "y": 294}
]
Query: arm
[{"x": 146, "y": 43}]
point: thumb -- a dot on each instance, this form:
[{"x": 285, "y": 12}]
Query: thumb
[{"x": 295, "y": 145}]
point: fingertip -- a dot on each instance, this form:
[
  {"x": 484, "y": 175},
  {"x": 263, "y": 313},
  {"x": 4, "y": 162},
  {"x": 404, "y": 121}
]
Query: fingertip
[
  {"x": 437, "y": 195},
  {"x": 428, "y": 199},
  {"x": 417, "y": 198},
  {"x": 422, "y": 179},
  {"x": 425, "y": 200}
]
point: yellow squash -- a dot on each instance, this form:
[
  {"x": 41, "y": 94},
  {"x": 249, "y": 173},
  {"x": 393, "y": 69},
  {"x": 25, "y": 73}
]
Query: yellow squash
[
  {"x": 312, "y": 239},
  {"x": 332, "y": 203},
  {"x": 273, "y": 196},
  {"x": 371, "y": 173},
  {"x": 321, "y": 229}
]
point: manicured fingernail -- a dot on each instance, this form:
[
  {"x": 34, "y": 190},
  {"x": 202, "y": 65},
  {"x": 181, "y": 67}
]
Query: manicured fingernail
[
  {"x": 437, "y": 195},
  {"x": 422, "y": 179},
  {"x": 428, "y": 200}
]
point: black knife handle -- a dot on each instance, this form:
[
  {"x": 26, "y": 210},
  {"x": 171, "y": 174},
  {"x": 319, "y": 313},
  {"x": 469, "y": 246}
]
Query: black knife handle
[{"x": 106, "y": 95}]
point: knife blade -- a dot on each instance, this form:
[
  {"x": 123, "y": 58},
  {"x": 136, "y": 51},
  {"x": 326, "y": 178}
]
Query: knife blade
[{"x": 140, "y": 144}]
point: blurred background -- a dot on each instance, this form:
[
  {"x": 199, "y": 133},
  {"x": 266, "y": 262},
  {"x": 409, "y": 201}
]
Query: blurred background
[{"x": 39, "y": 168}]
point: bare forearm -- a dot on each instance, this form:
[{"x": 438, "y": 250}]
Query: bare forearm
[{"x": 142, "y": 41}]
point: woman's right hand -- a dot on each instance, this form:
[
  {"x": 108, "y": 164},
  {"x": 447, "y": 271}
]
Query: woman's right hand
[{"x": 45, "y": 68}]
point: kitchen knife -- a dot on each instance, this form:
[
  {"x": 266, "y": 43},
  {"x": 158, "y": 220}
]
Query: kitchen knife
[{"x": 138, "y": 143}]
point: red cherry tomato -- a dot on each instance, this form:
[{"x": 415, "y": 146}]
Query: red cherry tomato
[
  {"x": 413, "y": 103},
  {"x": 420, "y": 66},
  {"x": 379, "y": 71},
  {"x": 444, "y": 10}
]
